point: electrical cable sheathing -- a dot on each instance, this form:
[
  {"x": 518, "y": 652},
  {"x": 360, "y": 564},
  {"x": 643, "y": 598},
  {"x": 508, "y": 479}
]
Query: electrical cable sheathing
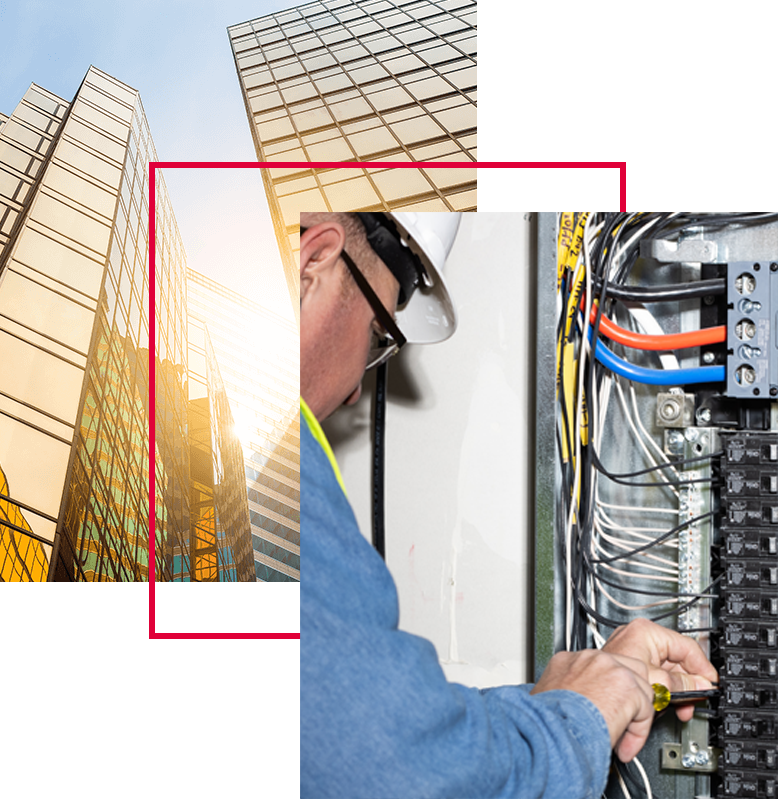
[{"x": 379, "y": 434}]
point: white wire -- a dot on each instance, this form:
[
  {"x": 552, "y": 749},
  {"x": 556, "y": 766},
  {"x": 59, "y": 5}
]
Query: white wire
[
  {"x": 633, "y": 508},
  {"x": 643, "y": 774},
  {"x": 635, "y": 425},
  {"x": 662, "y": 454},
  {"x": 602, "y": 520},
  {"x": 640, "y": 575},
  {"x": 607, "y": 522},
  {"x": 671, "y": 600},
  {"x": 637, "y": 532},
  {"x": 627, "y": 560}
]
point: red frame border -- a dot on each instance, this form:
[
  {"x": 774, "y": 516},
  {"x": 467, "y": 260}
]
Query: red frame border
[{"x": 153, "y": 166}]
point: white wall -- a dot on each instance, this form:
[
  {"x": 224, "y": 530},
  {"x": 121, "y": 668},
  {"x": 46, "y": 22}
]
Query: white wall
[{"x": 457, "y": 504}]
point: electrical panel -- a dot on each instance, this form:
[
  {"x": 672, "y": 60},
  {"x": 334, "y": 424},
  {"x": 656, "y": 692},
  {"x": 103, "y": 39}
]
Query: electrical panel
[
  {"x": 661, "y": 499},
  {"x": 748, "y": 611}
]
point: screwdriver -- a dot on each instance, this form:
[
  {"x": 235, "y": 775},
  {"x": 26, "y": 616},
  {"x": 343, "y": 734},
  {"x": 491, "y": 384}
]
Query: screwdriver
[{"x": 663, "y": 697}]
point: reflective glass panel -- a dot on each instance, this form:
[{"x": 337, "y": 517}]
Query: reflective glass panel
[
  {"x": 95, "y": 167},
  {"x": 430, "y": 87},
  {"x": 76, "y": 188},
  {"x": 47, "y": 104},
  {"x": 303, "y": 91},
  {"x": 306, "y": 201},
  {"x": 275, "y": 129},
  {"x": 390, "y": 98},
  {"x": 34, "y": 465},
  {"x": 108, "y": 105},
  {"x": 101, "y": 121},
  {"x": 96, "y": 140},
  {"x": 24, "y": 135},
  {"x": 372, "y": 141},
  {"x": 34, "y": 118},
  {"x": 458, "y": 119},
  {"x": 29, "y": 374},
  {"x": 112, "y": 87},
  {"x": 463, "y": 78},
  {"x": 333, "y": 83},
  {"x": 313, "y": 118},
  {"x": 332, "y": 150},
  {"x": 354, "y": 193},
  {"x": 350, "y": 109},
  {"x": 72, "y": 223},
  {"x": 414, "y": 130},
  {"x": 43, "y": 310},
  {"x": 395, "y": 184}
]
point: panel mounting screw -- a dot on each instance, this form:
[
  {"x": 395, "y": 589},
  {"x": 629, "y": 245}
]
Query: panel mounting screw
[
  {"x": 688, "y": 760},
  {"x": 774, "y": 267},
  {"x": 756, "y": 392},
  {"x": 757, "y": 267},
  {"x": 702, "y": 758},
  {"x": 704, "y": 415},
  {"x": 774, "y": 392},
  {"x": 708, "y": 357}
]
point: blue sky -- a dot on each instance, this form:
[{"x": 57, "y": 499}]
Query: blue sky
[{"x": 177, "y": 54}]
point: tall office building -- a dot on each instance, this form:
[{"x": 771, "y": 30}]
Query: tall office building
[
  {"x": 258, "y": 356},
  {"x": 74, "y": 337},
  {"x": 220, "y": 547},
  {"x": 74, "y": 350},
  {"x": 360, "y": 80}
]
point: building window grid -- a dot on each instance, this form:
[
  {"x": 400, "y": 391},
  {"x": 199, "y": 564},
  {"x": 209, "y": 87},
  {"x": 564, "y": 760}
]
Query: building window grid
[{"x": 309, "y": 74}]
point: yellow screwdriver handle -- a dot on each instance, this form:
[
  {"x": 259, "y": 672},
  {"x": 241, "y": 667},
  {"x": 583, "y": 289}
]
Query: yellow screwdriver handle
[{"x": 661, "y": 696}]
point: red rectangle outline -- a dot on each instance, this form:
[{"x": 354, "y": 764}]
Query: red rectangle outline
[{"x": 153, "y": 166}]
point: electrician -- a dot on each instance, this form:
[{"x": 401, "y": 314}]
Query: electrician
[{"x": 377, "y": 716}]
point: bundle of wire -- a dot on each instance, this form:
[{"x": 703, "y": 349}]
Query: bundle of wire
[{"x": 621, "y": 554}]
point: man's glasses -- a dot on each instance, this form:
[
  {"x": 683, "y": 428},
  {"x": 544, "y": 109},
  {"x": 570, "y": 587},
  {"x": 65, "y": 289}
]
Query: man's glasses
[{"x": 391, "y": 339}]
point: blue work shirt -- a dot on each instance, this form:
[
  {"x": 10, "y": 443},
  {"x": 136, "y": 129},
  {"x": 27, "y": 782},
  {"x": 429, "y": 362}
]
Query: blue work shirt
[{"x": 378, "y": 717}]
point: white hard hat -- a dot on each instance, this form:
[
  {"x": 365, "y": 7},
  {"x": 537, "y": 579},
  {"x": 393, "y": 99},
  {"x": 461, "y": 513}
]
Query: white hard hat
[
  {"x": 429, "y": 315},
  {"x": 414, "y": 247}
]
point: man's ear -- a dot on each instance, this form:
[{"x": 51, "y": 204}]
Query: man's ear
[{"x": 320, "y": 249}]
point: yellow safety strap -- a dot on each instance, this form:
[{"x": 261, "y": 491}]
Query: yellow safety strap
[{"x": 318, "y": 434}]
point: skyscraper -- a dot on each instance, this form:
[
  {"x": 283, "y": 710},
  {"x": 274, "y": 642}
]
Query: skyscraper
[
  {"x": 358, "y": 80},
  {"x": 220, "y": 547},
  {"x": 74, "y": 338},
  {"x": 258, "y": 357}
]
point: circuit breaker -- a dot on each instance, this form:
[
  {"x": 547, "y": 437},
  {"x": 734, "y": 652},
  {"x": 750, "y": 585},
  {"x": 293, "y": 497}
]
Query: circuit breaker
[{"x": 657, "y": 471}]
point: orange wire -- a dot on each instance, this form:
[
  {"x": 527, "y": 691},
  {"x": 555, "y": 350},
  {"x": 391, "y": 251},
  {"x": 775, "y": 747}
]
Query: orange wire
[{"x": 670, "y": 341}]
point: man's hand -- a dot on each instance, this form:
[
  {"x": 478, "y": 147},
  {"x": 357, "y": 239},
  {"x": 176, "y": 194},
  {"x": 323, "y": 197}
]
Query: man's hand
[{"x": 618, "y": 678}]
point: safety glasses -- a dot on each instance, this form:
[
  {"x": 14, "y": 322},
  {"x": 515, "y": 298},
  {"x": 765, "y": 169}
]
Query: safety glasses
[{"x": 390, "y": 339}]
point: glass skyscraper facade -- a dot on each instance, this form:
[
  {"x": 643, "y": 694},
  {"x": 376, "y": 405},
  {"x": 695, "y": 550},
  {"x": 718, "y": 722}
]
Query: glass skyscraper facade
[
  {"x": 74, "y": 352},
  {"x": 74, "y": 333},
  {"x": 359, "y": 80},
  {"x": 220, "y": 546},
  {"x": 257, "y": 354}
]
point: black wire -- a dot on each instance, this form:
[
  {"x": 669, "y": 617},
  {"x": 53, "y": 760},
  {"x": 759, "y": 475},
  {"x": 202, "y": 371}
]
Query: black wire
[
  {"x": 617, "y": 478},
  {"x": 668, "y": 465},
  {"x": 633, "y": 590},
  {"x": 682, "y": 608},
  {"x": 598, "y": 617},
  {"x": 379, "y": 433},
  {"x": 672, "y": 292},
  {"x": 656, "y": 541}
]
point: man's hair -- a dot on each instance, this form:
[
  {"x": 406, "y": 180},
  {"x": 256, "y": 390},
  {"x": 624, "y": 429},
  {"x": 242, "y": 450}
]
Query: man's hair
[{"x": 356, "y": 242}]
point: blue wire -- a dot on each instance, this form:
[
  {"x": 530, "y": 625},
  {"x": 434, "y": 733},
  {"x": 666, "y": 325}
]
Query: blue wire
[{"x": 657, "y": 377}]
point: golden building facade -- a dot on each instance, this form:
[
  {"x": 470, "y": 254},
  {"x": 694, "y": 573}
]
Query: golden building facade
[
  {"x": 74, "y": 345},
  {"x": 257, "y": 354},
  {"x": 360, "y": 80}
]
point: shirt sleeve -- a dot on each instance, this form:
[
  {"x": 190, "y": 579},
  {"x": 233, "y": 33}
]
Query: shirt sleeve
[{"x": 378, "y": 717}]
